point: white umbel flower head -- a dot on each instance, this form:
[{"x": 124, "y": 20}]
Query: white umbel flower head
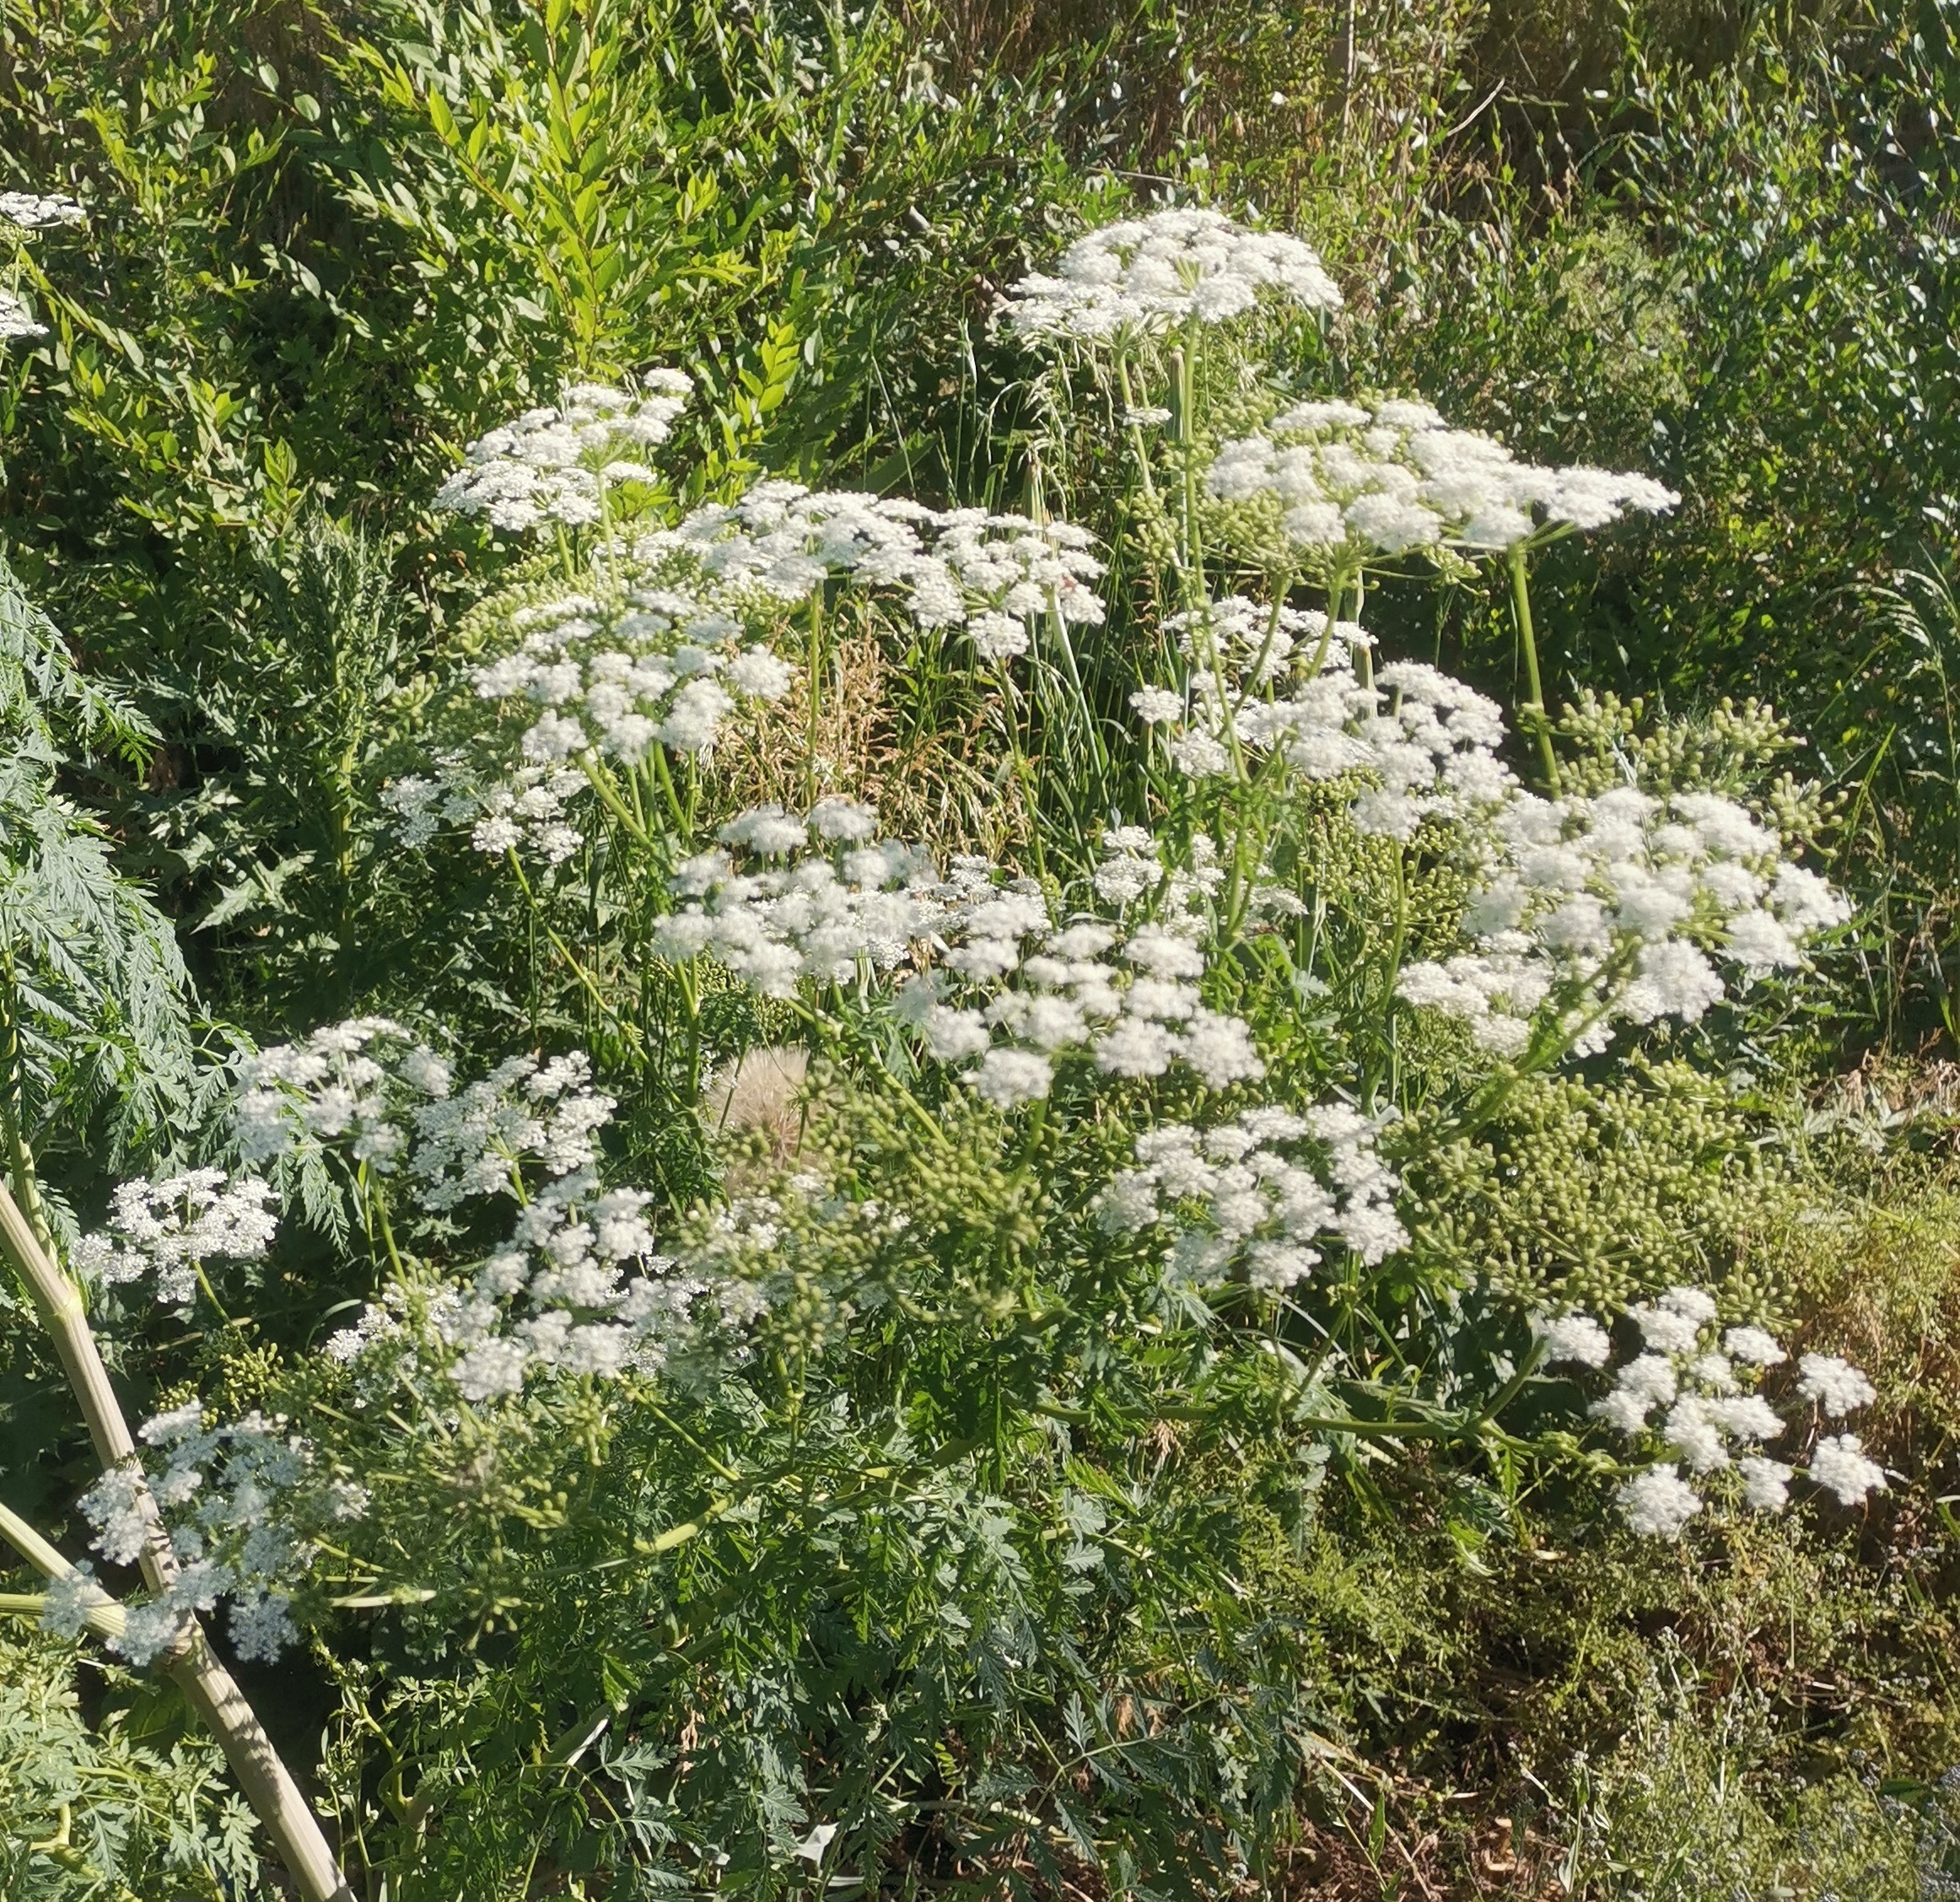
[
  {"x": 1839, "y": 1466},
  {"x": 1150, "y": 275},
  {"x": 1754, "y": 1345},
  {"x": 1576, "y": 1338},
  {"x": 1765, "y": 1483},
  {"x": 1659, "y": 1502},
  {"x": 551, "y": 464},
  {"x": 30, "y": 211},
  {"x": 173, "y": 1226},
  {"x": 16, "y": 320},
  {"x": 1835, "y": 1385},
  {"x": 1394, "y": 476}
]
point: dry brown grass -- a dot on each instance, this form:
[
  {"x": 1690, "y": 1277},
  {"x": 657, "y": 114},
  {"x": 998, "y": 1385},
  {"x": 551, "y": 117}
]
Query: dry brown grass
[{"x": 942, "y": 777}]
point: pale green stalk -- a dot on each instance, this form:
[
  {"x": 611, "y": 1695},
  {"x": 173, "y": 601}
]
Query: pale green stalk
[
  {"x": 1186, "y": 360},
  {"x": 1521, "y": 596},
  {"x": 1337, "y": 587},
  {"x": 208, "y": 1687},
  {"x": 587, "y": 981},
  {"x": 1139, "y": 447}
]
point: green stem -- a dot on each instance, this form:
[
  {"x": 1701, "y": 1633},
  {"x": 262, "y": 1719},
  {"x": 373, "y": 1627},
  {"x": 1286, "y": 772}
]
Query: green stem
[
  {"x": 12, "y": 1110},
  {"x": 1225, "y": 695},
  {"x": 378, "y": 1207},
  {"x": 1336, "y": 589},
  {"x": 1397, "y": 945},
  {"x": 1139, "y": 446},
  {"x": 211, "y": 1295},
  {"x": 1520, "y": 597},
  {"x": 601, "y": 782},
  {"x": 1258, "y": 667},
  {"x": 683, "y": 816},
  {"x": 590, "y": 984},
  {"x": 1186, "y": 358}
]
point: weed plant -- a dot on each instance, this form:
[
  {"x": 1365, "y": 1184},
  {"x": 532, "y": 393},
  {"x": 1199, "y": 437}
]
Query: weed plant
[{"x": 1102, "y": 1157}]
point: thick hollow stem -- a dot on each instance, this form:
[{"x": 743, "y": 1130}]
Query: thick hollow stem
[{"x": 262, "y": 1775}]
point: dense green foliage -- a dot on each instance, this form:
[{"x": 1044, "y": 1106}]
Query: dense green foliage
[{"x": 1033, "y": 1573}]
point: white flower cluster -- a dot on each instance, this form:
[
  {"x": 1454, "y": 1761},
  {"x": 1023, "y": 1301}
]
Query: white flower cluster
[
  {"x": 576, "y": 1289},
  {"x": 222, "y": 1485},
  {"x": 523, "y": 806},
  {"x": 596, "y": 1301},
  {"x": 989, "y": 573},
  {"x": 338, "y": 1083},
  {"x": 1257, "y": 646},
  {"x": 1603, "y": 906},
  {"x": 172, "y": 1226},
  {"x": 395, "y": 1101},
  {"x": 1592, "y": 909},
  {"x": 30, "y": 211},
  {"x": 1394, "y": 476},
  {"x": 574, "y": 1244},
  {"x": 861, "y": 902},
  {"x": 657, "y": 655},
  {"x": 1426, "y": 743},
  {"x": 660, "y": 667},
  {"x": 1239, "y": 654},
  {"x": 16, "y": 320},
  {"x": 555, "y": 465},
  {"x": 1148, "y": 275},
  {"x": 1240, "y": 1203},
  {"x": 1713, "y": 1403},
  {"x": 978, "y": 990},
  {"x": 656, "y": 667}
]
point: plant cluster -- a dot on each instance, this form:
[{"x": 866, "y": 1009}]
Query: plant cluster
[{"x": 726, "y": 1315}]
